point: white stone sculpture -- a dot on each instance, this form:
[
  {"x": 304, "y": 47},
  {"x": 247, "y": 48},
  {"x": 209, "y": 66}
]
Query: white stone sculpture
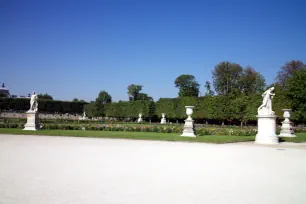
[
  {"x": 189, "y": 123},
  {"x": 266, "y": 133},
  {"x": 266, "y": 107},
  {"x": 287, "y": 130},
  {"x": 34, "y": 102},
  {"x": 140, "y": 118},
  {"x": 163, "y": 120},
  {"x": 32, "y": 114}
]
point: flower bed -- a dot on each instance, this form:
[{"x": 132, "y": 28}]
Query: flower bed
[{"x": 201, "y": 131}]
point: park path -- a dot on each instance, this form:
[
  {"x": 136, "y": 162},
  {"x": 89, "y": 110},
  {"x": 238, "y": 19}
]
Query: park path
[{"x": 70, "y": 170}]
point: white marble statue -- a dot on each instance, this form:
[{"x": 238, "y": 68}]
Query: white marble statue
[
  {"x": 34, "y": 102},
  {"x": 163, "y": 120},
  {"x": 32, "y": 114},
  {"x": 266, "y": 106},
  {"x": 84, "y": 115},
  {"x": 140, "y": 118},
  {"x": 266, "y": 132}
]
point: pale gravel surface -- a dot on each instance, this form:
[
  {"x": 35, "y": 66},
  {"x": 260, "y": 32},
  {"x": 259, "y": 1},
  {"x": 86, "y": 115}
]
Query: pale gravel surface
[{"x": 69, "y": 170}]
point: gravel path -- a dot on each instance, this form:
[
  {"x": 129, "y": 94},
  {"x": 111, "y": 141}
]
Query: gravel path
[{"x": 70, "y": 170}]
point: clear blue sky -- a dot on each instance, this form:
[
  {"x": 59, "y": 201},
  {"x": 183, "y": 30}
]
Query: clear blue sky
[{"x": 77, "y": 48}]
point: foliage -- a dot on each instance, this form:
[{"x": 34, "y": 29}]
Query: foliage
[
  {"x": 252, "y": 82},
  {"x": 187, "y": 85},
  {"x": 296, "y": 91},
  {"x": 102, "y": 99},
  {"x": 226, "y": 77},
  {"x": 209, "y": 91},
  {"x": 45, "y": 106},
  {"x": 45, "y": 96},
  {"x": 91, "y": 109},
  {"x": 130, "y": 109},
  {"x": 287, "y": 71},
  {"x": 133, "y": 91}
]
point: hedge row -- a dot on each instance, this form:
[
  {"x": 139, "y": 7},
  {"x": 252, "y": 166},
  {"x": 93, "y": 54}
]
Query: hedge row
[
  {"x": 217, "y": 108},
  {"x": 208, "y": 108},
  {"x": 46, "y": 106}
]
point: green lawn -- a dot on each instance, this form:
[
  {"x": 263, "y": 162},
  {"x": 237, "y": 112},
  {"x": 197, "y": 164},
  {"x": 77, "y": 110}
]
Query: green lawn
[
  {"x": 131, "y": 135},
  {"x": 218, "y": 139}
]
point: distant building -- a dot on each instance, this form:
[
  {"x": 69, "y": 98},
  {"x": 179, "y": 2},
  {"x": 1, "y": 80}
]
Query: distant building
[{"x": 6, "y": 91}]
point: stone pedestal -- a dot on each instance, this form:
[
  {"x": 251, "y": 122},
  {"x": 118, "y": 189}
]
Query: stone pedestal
[
  {"x": 266, "y": 130},
  {"x": 287, "y": 130},
  {"x": 189, "y": 124},
  {"x": 188, "y": 128},
  {"x": 32, "y": 121}
]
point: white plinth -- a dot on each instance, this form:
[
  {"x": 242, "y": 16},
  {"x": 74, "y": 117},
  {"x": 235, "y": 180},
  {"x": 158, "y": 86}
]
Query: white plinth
[
  {"x": 32, "y": 121},
  {"x": 163, "y": 121},
  {"x": 286, "y": 130},
  {"x": 266, "y": 130},
  {"x": 188, "y": 129}
]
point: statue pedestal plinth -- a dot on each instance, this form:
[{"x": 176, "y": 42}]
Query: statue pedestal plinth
[
  {"x": 266, "y": 130},
  {"x": 163, "y": 121},
  {"x": 287, "y": 130},
  {"x": 188, "y": 129},
  {"x": 32, "y": 121}
]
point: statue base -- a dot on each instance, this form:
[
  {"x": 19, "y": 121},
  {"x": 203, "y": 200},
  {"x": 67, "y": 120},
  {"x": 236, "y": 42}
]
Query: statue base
[
  {"x": 163, "y": 121},
  {"x": 32, "y": 121},
  {"x": 188, "y": 129},
  {"x": 286, "y": 130},
  {"x": 266, "y": 130},
  {"x": 139, "y": 120}
]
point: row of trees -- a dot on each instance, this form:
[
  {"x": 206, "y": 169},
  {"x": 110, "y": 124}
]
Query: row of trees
[
  {"x": 238, "y": 89},
  {"x": 234, "y": 94}
]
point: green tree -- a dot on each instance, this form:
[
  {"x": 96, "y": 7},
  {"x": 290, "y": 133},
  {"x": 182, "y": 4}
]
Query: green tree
[
  {"x": 133, "y": 91},
  {"x": 288, "y": 71},
  {"x": 226, "y": 78},
  {"x": 45, "y": 96},
  {"x": 209, "y": 92},
  {"x": 252, "y": 82},
  {"x": 75, "y": 100},
  {"x": 145, "y": 97},
  {"x": 187, "y": 85},
  {"x": 90, "y": 109},
  {"x": 102, "y": 99},
  {"x": 296, "y": 86}
]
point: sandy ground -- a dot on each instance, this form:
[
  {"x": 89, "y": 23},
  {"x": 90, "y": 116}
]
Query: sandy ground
[{"x": 68, "y": 170}]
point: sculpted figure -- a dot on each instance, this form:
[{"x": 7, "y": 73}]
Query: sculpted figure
[
  {"x": 34, "y": 102},
  {"x": 266, "y": 106}
]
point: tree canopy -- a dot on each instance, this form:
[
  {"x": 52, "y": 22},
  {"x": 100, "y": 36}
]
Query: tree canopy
[
  {"x": 187, "y": 85},
  {"x": 252, "y": 82},
  {"x": 226, "y": 77},
  {"x": 45, "y": 96},
  {"x": 287, "y": 71},
  {"x": 102, "y": 99},
  {"x": 135, "y": 95},
  {"x": 296, "y": 91}
]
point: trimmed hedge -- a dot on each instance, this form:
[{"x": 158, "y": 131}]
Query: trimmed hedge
[{"x": 45, "y": 106}]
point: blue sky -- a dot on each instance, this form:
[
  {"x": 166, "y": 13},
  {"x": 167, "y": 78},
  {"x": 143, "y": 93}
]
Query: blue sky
[{"x": 77, "y": 48}]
